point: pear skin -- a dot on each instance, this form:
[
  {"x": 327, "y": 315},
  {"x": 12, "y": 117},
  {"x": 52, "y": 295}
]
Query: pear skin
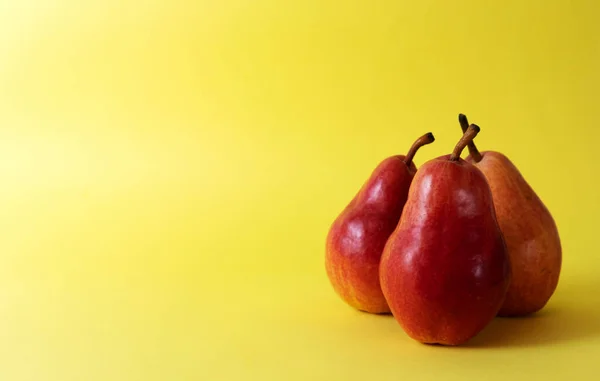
[
  {"x": 445, "y": 269},
  {"x": 529, "y": 230},
  {"x": 358, "y": 235}
]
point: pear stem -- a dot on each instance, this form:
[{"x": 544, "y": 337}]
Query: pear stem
[
  {"x": 428, "y": 138},
  {"x": 464, "y": 124},
  {"x": 467, "y": 138}
]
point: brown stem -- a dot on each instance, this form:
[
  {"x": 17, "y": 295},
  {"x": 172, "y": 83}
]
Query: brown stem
[
  {"x": 464, "y": 124},
  {"x": 428, "y": 138},
  {"x": 467, "y": 137}
]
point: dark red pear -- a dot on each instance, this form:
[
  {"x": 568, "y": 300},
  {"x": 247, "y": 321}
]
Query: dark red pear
[
  {"x": 356, "y": 238},
  {"x": 445, "y": 269}
]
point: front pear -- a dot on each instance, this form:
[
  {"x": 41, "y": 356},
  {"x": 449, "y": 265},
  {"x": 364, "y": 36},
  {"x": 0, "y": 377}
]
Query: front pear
[{"x": 445, "y": 270}]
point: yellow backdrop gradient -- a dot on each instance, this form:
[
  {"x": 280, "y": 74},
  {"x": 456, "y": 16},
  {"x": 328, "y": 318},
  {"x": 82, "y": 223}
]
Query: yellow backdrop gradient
[{"x": 169, "y": 171}]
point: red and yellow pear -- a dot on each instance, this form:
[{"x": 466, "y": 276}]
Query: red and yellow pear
[
  {"x": 529, "y": 230},
  {"x": 358, "y": 235}
]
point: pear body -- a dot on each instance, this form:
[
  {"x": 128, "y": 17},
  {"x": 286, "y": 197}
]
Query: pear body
[
  {"x": 445, "y": 270},
  {"x": 530, "y": 233},
  {"x": 358, "y": 235}
]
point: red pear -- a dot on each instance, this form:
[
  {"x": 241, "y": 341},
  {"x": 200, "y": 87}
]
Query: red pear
[
  {"x": 529, "y": 230},
  {"x": 357, "y": 236},
  {"x": 445, "y": 269}
]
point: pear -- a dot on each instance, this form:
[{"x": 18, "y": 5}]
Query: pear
[
  {"x": 529, "y": 230},
  {"x": 356, "y": 238},
  {"x": 445, "y": 269}
]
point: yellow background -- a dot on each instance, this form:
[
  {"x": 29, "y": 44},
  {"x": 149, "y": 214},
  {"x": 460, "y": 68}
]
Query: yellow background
[{"x": 169, "y": 170}]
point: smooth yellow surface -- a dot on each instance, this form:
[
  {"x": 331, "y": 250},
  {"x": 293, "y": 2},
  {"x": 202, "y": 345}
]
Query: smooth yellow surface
[{"x": 169, "y": 170}]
